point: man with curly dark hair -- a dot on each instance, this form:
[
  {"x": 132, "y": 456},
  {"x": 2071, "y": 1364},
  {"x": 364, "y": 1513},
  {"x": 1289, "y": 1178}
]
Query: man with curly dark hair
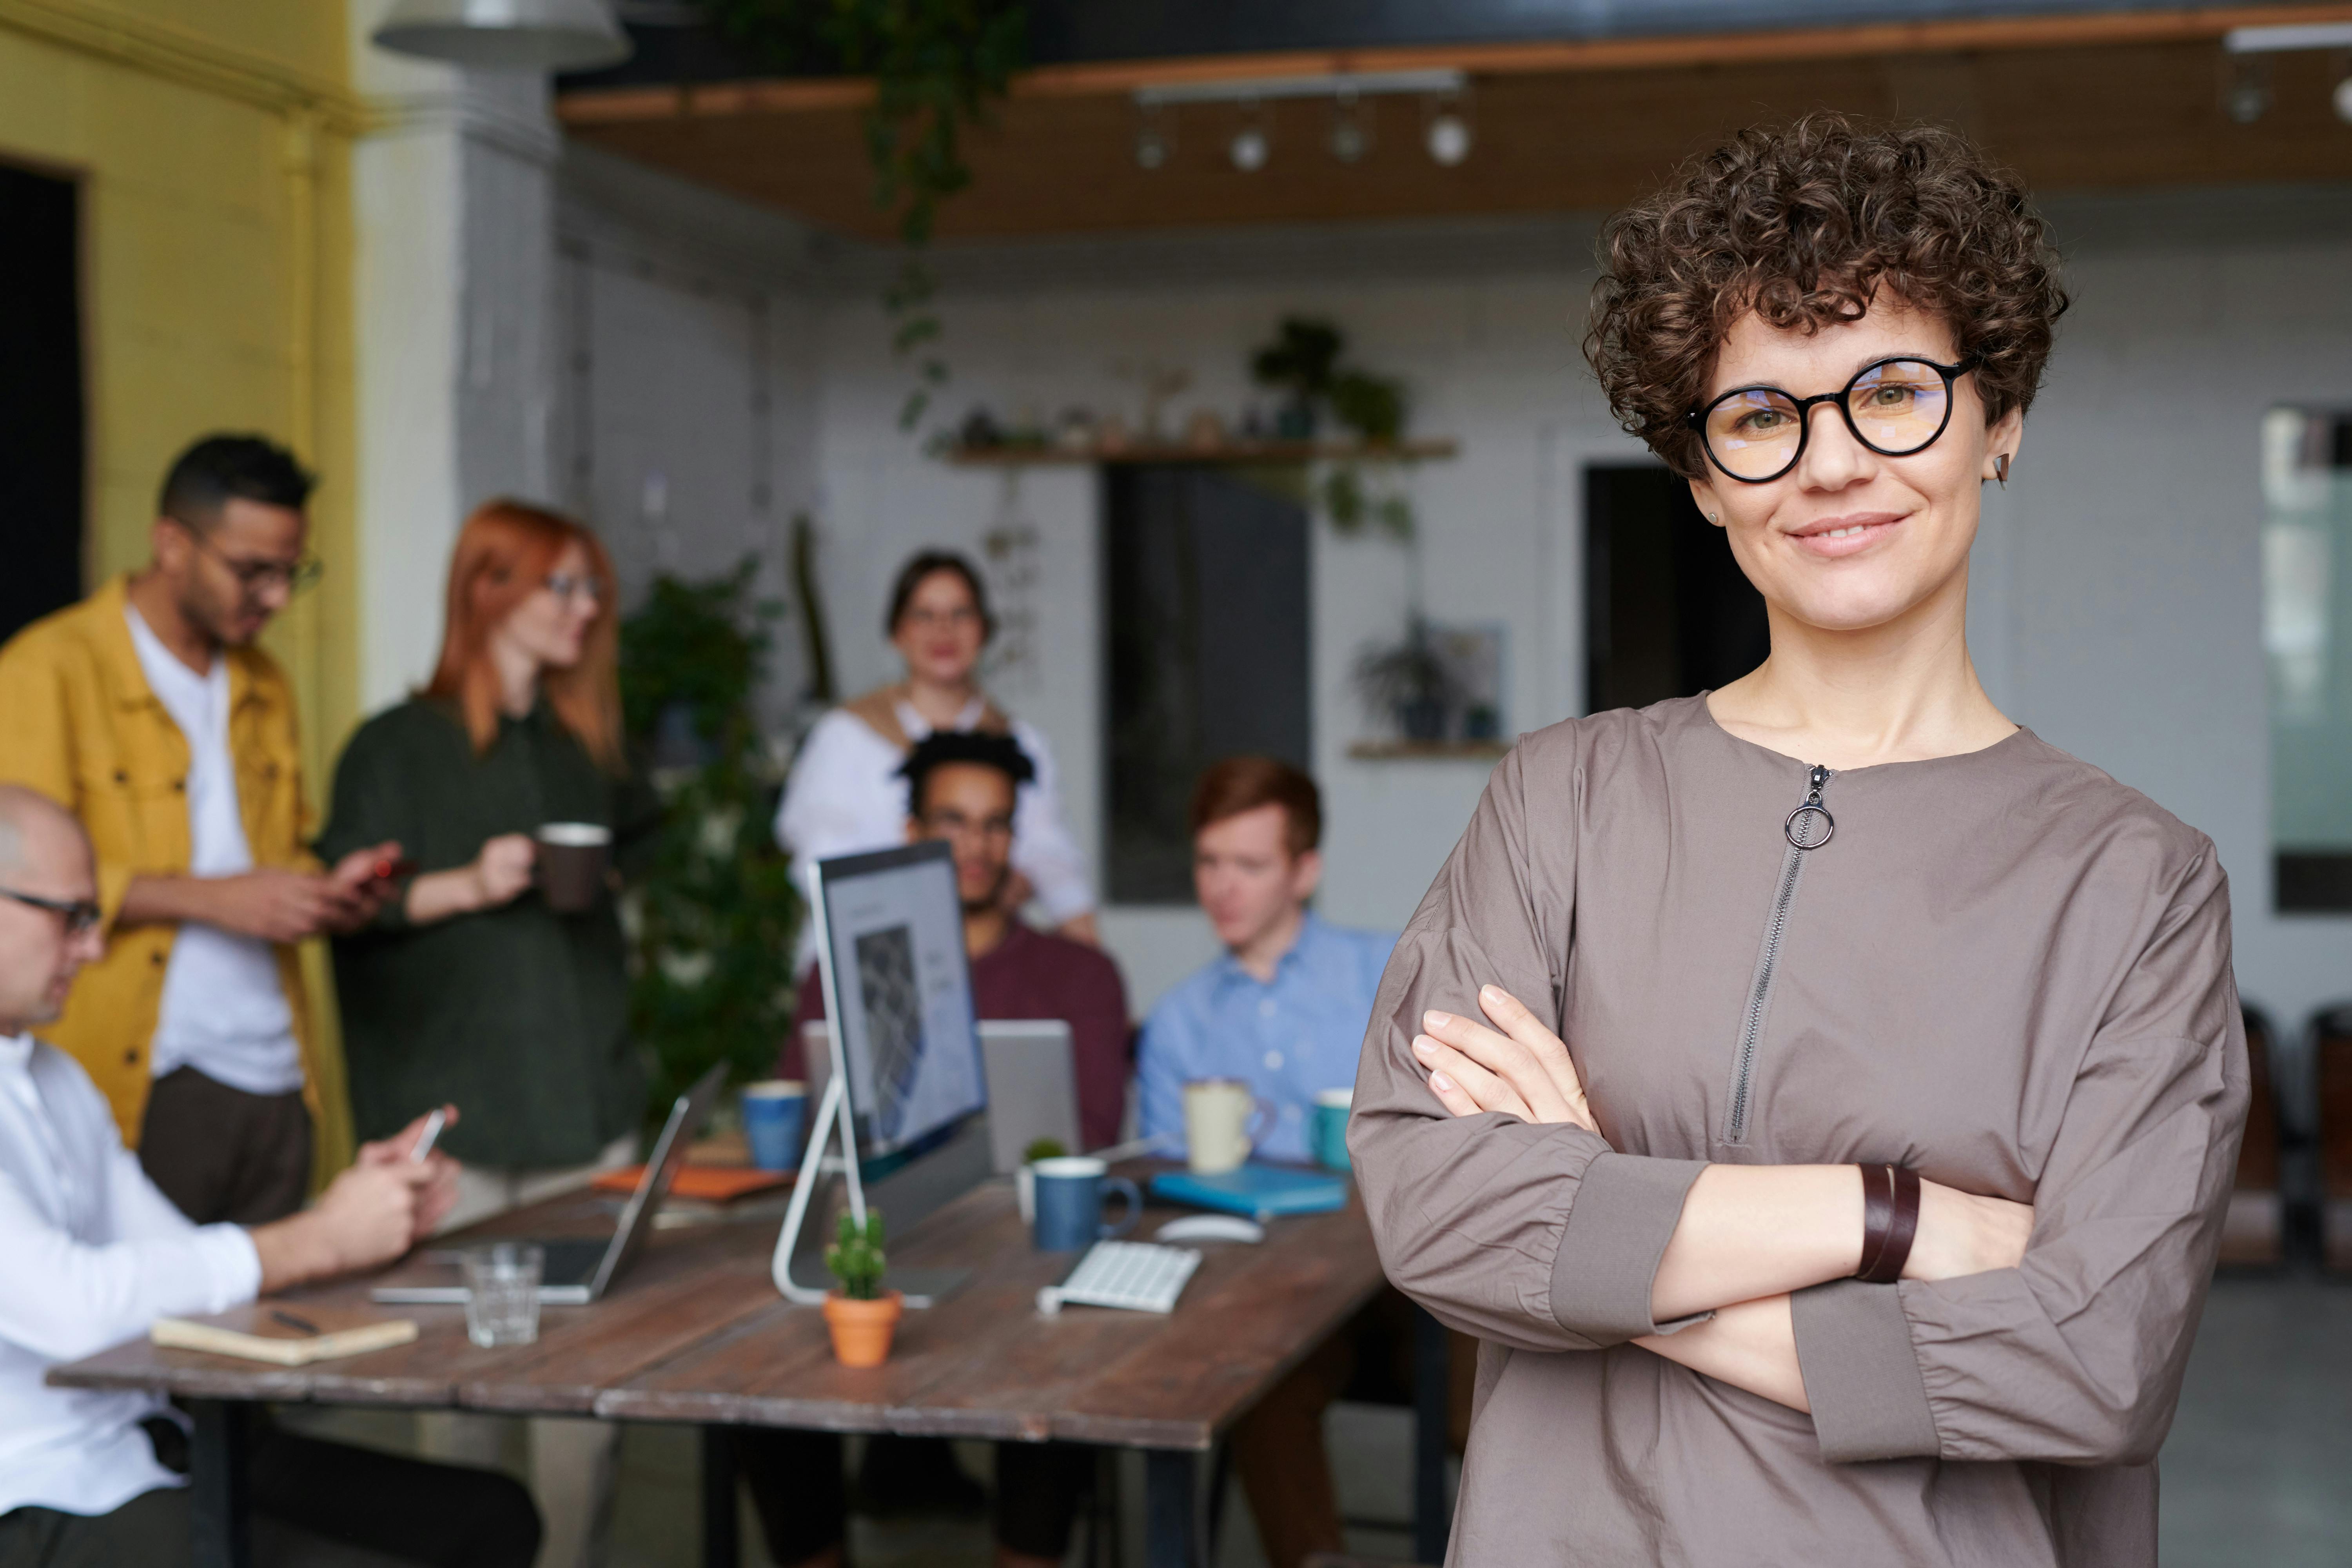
[{"x": 1845, "y": 1187}]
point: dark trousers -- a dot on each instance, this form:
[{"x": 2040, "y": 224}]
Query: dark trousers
[
  {"x": 442, "y": 1516},
  {"x": 1277, "y": 1447},
  {"x": 222, "y": 1155},
  {"x": 796, "y": 1484}
]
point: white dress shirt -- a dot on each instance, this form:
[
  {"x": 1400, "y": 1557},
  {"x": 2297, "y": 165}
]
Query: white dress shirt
[
  {"x": 844, "y": 799},
  {"x": 223, "y": 1010},
  {"x": 90, "y": 1255}
]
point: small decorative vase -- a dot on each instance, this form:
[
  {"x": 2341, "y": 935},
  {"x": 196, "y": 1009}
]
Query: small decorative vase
[{"x": 862, "y": 1330}]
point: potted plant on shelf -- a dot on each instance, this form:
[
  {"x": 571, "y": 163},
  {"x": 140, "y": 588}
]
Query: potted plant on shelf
[
  {"x": 1410, "y": 683},
  {"x": 861, "y": 1315}
]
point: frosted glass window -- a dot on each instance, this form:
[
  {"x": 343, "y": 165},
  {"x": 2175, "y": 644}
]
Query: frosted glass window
[{"x": 2307, "y": 644}]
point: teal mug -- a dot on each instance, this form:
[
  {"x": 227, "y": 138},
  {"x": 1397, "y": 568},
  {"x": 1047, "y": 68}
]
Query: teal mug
[{"x": 1330, "y": 1134}]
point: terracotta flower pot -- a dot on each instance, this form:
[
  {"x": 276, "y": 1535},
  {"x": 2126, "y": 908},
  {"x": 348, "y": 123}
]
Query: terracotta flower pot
[{"x": 862, "y": 1330}]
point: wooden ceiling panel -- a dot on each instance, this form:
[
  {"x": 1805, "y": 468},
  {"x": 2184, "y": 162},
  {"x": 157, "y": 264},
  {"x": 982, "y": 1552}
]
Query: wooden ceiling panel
[{"x": 2105, "y": 116}]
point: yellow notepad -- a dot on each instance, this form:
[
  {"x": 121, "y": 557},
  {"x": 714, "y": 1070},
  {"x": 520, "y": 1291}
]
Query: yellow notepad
[{"x": 255, "y": 1332}]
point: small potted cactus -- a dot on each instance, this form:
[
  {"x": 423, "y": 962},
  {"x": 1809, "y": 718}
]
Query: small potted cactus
[{"x": 861, "y": 1315}]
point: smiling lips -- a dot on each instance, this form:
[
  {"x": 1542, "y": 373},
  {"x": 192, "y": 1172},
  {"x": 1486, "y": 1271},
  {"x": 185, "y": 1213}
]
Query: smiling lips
[{"x": 1830, "y": 538}]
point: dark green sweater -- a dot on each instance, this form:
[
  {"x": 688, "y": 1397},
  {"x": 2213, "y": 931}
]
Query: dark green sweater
[{"x": 519, "y": 1016}]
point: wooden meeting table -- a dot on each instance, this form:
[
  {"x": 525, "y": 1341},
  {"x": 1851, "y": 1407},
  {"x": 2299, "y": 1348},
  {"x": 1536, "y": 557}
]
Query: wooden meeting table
[{"x": 696, "y": 1332}]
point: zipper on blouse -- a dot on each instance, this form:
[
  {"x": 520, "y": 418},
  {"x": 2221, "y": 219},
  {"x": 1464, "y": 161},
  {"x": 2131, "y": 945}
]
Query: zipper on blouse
[{"x": 1806, "y": 828}]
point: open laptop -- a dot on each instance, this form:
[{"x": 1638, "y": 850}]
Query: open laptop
[
  {"x": 578, "y": 1269},
  {"x": 1032, "y": 1088}
]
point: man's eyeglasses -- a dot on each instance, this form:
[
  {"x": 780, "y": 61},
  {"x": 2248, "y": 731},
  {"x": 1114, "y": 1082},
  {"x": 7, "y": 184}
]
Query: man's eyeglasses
[
  {"x": 80, "y": 915},
  {"x": 1894, "y": 408},
  {"x": 255, "y": 577}
]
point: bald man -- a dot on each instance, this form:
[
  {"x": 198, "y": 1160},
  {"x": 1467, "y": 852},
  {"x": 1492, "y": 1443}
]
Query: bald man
[{"x": 94, "y": 1254}]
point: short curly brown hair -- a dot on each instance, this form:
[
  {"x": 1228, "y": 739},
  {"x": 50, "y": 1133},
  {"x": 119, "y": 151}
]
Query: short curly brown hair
[{"x": 1802, "y": 224}]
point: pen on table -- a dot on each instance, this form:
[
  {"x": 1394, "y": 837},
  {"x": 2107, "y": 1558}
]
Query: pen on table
[{"x": 291, "y": 1321}]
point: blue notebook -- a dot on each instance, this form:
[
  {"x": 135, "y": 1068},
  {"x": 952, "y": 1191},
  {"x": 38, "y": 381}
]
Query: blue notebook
[{"x": 1260, "y": 1192}]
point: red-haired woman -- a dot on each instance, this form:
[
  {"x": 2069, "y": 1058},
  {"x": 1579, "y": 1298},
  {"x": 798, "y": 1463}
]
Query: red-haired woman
[{"x": 470, "y": 988}]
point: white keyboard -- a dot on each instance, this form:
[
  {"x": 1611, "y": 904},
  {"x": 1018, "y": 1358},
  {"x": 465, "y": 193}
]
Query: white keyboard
[{"x": 1135, "y": 1275}]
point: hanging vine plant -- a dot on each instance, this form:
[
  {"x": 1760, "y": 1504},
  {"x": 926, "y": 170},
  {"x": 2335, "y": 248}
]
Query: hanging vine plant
[{"x": 940, "y": 66}]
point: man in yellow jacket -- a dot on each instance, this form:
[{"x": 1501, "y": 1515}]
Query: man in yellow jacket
[{"x": 147, "y": 712}]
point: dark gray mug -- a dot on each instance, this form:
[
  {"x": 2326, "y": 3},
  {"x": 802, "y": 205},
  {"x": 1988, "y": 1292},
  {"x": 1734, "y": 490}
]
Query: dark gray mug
[
  {"x": 570, "y": 871},
  {"x": 1070, "y": 1192}
]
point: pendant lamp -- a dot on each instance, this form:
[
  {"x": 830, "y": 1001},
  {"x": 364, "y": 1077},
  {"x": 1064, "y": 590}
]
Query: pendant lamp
[{"x": 507, "y": 34}]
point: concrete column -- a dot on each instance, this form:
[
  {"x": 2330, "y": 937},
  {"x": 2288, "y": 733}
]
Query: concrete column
[{"x": 454, "y": 231}]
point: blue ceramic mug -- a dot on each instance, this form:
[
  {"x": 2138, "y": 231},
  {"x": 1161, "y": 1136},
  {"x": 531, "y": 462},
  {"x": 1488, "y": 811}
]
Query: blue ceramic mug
[
  {"x": 774, "y": 1112},
  {"x": 1329, "y": 1134},
  {"x": 1070, "y": 1192}
]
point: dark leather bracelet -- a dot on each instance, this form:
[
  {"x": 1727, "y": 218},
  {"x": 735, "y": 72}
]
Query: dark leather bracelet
[
  {"x": 1877, "y": 1215},
  {"x": 1890, "y": 1222}
]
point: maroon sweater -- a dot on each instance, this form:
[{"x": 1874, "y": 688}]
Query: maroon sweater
[{"x": 1034, "y": 974}]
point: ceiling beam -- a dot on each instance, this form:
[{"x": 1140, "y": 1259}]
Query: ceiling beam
[{"x": 1944, "y": 36}]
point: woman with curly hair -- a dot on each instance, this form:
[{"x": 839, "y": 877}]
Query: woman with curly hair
[{"x": 1819, "y": 1096}]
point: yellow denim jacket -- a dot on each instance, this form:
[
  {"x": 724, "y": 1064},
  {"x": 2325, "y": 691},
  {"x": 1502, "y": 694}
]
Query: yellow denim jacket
[{"x": 78, "y": 724}]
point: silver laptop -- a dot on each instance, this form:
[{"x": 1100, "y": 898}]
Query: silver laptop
[
  {"x": 1032, "y": 1088},
  {"x": 578, "y": 1270}
]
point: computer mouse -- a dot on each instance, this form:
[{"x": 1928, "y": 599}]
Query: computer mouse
[{"x": 1211, "y": 1228}]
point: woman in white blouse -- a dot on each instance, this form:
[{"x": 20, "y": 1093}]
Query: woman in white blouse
[{"x": 844, "y": 796}]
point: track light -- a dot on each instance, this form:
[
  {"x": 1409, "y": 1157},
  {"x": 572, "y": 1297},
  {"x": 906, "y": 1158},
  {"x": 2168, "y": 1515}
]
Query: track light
[
  {"x": 1152, "y": 143},
  {"x": 1351, "y": 128},
  {"x": 1251, "y": 146},
  {"x": 2246, "y": 97},
  {"x": 1447, "y": 133}
]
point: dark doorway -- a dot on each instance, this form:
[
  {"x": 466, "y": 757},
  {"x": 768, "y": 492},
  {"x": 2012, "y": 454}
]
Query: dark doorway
[
  {"x": 1666, "y": 611},
  {"x": 40, "y": 396},
  {"x": 1206, "y": 636}
]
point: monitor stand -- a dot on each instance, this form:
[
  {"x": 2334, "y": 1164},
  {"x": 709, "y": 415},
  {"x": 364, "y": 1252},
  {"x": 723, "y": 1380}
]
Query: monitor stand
[{"x": 919, "y": 1286}]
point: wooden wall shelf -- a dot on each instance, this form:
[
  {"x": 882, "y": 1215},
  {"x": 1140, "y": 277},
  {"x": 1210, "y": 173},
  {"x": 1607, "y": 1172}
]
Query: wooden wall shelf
[
  {"x": 1430, "y": 750},
  {"x": 1229, "y": 452}
]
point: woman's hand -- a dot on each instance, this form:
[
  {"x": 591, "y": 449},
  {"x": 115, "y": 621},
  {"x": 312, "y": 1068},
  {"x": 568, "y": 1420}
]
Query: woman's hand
[
  {"x": 502, "y": 870},
  {"x": 494, "y": 878},
  {"x": 1519, "y": 1067},
  {"x": 1960, "y": 1233}
]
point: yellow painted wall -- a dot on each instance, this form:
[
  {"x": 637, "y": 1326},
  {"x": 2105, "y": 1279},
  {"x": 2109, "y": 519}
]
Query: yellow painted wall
[{"x": 212, "y": 142}]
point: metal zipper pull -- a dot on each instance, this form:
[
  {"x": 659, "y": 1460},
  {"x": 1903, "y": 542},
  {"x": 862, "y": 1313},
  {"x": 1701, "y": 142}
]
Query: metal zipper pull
[{"x": 1810, "y": 826}]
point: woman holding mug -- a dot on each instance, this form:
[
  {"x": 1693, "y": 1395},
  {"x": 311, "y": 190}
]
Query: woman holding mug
[
  {"x": 1820, "y": 1095},
  {"x": 845, "y": 797},
  {"x": 490, "y": 982},
  {"x": 473, "y": 986}
]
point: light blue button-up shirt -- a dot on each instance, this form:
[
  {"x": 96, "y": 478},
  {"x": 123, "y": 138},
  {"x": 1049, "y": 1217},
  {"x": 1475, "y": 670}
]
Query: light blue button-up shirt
[{"x": 1289, "y": 1038}]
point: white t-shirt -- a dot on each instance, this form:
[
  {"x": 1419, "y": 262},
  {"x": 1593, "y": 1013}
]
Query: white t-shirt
[
  {"x": 223, "y": 1010},
  {"x": 844, "y": 799},
  {"x": 94, "y": 1256}
]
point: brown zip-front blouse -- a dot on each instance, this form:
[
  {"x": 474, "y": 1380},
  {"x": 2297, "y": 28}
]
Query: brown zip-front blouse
[{"x": 2002, "y": 969}]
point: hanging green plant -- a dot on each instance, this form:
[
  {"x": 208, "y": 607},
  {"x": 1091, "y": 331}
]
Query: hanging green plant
[
  {"x": 711, "y": 923},
  {"x": 939, "y": 67},
  {"x": 1303, "y": 360}
]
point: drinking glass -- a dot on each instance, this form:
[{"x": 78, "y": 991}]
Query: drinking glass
[{"x": 502, "y": 1293}]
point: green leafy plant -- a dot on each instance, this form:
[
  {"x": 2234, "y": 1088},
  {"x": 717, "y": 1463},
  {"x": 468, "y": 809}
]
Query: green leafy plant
[
  {"x": 712, "y": 919},
  {"x": 1305, "y": 359},
  {"x": 855, "y": 1258},
  {"x": 939, "y": 68},
  {"x": 1043, "y": 1149},
  {"x": 1409, "y": 681}
]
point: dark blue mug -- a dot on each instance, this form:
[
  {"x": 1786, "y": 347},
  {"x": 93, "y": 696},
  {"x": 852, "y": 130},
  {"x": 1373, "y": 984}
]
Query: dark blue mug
[{"x": 1069, "y": 1203}]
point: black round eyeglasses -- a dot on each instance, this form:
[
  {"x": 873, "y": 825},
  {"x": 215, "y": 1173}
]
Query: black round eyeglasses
[{"x": 1894, "y": 406}]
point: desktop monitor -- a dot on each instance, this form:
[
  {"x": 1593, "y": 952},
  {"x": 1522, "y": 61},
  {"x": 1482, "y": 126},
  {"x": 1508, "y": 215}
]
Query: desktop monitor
[{"x": 891, "y": 958}]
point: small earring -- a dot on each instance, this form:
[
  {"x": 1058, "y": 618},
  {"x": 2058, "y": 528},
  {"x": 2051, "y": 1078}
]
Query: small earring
[
  {"x": 2001, "y": 469},
  {"x": 1714, "y": 518}
]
